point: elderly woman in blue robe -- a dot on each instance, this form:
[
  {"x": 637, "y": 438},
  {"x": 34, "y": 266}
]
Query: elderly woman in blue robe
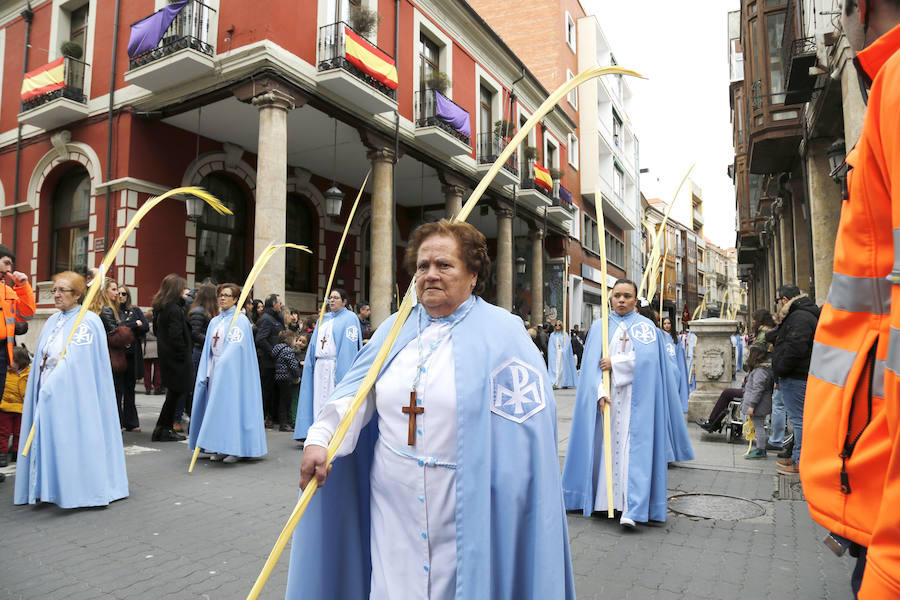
[
  {"x": 227, "y": 419},
  {"x": 76, "y": 457},
  {"x": 448, "y": 482},
  {"x": 640, "y": 390},
  {"x": 334, "y": 344}
]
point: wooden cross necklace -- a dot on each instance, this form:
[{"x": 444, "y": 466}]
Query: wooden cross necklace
[{"x": 415, "y": 402}]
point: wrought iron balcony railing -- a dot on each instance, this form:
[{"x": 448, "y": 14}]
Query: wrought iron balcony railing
[
  {"x": 74, "y": 72},
  {"x": 333, "y": 55},
  {"x": 489, "y": 148},
  {"x": 426, "y": 111},
  {"x": 189, "y": 29},
  {"x": 528, "y": 182},
  {"x": 756, "y": 94}
]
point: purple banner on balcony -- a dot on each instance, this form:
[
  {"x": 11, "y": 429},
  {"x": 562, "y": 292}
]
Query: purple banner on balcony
[
  {"x": 565, "y": 195},
  {"x": 451, "y": 114},
  {"x": 146, "y": 33}
]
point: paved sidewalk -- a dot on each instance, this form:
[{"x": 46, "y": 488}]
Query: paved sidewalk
[{"x": 206, "y": 535}]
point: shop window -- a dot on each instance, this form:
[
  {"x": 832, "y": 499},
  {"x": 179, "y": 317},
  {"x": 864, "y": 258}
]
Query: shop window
[
  {"x": 299, "y": 275},
  {"x": 71, "y": 210},
  {"x": 222, "y": 239}
]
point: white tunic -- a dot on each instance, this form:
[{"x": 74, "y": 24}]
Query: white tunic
[
  {"x": 559, "y": 360},
  {"x": 413, "y": 526},
  {"x": 217, "y": 346},
  {"x": 326, "y": 361},
  {"x": 622, "y": 357}
]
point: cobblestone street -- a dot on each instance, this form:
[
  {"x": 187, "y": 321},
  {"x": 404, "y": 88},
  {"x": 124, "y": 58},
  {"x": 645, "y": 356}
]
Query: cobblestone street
[{"x": 206, "y": 535}]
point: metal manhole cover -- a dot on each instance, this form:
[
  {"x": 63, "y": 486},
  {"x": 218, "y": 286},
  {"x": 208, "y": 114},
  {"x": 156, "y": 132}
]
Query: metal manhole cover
[{"x": 713, "y": 506}]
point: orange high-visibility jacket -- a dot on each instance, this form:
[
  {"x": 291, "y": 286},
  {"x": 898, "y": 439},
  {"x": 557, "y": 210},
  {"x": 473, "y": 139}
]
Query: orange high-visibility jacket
[
  {"x": 16, "y": 304},
  {"x": 850, "y": 462}
]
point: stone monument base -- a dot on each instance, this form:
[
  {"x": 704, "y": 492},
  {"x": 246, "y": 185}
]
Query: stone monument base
[{"x": 700, "y": 404}]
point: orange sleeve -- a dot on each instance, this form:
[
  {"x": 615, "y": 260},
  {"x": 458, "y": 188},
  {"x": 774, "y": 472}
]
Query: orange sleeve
[
  {"x": 24, "y": 304},
  {"x": 881, "y": 580}
]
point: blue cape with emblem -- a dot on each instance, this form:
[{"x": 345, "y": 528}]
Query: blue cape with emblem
[
  {"x": 679, "y": 447},
  {"x": 227, "y": 413},
  {"x": 76, "y": 457},
  {"x": 569, "y": 374},
  {"x": 511, "y": 534},
  {"x": 349, "y": 341},
  {"x": 649, "y": 426}
]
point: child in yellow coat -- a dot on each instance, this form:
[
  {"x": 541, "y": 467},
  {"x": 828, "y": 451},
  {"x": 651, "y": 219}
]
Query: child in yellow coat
[{"x": 11, "y": 403}]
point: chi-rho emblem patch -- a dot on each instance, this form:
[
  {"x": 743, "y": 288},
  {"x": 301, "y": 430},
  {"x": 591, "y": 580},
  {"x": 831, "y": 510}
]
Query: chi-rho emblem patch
[
  {"x": 235, "y": 336},
  {"x": 352, "y": 333},
  {"x": 517, "y": 392},
  {"x": 644, "y": 333},
  {"x": 83, "y": 336}
]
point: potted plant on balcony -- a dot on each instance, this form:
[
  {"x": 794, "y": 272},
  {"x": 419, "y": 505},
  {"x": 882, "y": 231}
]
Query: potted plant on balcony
[
  {"x": 71, "y": 49},
  {"x": 556, "y": 174},
  {"x": 504, "y": 129},
  {"x": 364, "y": 21},
  {"x": 531, "y": 154},
  {"x": 438, "y": 81}
]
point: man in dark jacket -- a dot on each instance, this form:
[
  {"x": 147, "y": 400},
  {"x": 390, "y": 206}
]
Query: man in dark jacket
[
  {"x": 790, "y": 360},
  {"x": 270, "y": 324}
]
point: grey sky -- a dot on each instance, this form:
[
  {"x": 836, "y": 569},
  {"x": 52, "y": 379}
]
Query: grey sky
[{"x": 681, "y": 113}]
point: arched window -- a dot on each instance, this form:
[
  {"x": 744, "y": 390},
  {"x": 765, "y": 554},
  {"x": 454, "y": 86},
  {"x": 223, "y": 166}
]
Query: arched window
[
  {"x": 222, "y": 239},
  {"x": 71, "y": 209},
  {"x": 299, "y": 273}
]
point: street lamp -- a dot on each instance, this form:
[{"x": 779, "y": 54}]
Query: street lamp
[
  {"x": 520, "y": 266},
  {"x": 334, "y": 197},
  {"x": 836, "y": 153},
  {"x": 194, "y": 207}
]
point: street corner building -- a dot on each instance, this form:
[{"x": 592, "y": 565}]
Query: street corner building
[{"x": 280, "y": 110}]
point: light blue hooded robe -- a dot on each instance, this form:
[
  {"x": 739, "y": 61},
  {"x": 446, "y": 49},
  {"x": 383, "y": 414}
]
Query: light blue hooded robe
[
  {"x": 227, "y": 414},
  {"x": 76, "y": 458},
  {"x": 348, "y": 338},
  {"x": 511, "y": 532},
  {"x": 569, "y": 373},
  {"x": 646, "y": 497}
]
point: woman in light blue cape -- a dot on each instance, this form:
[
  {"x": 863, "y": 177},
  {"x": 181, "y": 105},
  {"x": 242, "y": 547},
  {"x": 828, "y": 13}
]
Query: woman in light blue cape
[
  {"x": 679, "y": 447},
  {"x": 511, "y": 538},
  {"x": 644, "y": 480},
  {"x": 76, "y": 457},
  {"x": 342, "y": 343},
  {"x": 227, "y": 417},
  {"x": 561, "y": 359}
]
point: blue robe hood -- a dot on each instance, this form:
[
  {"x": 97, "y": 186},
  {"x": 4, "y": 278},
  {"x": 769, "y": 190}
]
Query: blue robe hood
[
  {"x": 511, "y": 532},
  {"x": 345, "y": 329},
  {"x": 76, "y": 457},
  {"x": 227, "y": 412}
]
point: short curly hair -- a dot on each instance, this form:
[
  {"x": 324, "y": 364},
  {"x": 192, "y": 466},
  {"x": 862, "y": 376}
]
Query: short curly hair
[{"x": 472, "y": 248}]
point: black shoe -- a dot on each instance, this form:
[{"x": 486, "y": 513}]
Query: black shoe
[
  {"x": 285, "y": 428},
  {"x": 3, "y": 459},
  {"x": 773, "y": 447},
  {"x": 166, "y": 435},
  {"x": 788, "y": 450},
  {"x": 2, "y": 477},
  {"x": 702, "y": 423}
]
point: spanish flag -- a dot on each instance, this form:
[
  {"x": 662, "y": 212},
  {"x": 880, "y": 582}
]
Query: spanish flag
[
  {"x": 369, "y": 59},
  {"x": 542, "y": 177},
  {"x": 48, "y": 78}
]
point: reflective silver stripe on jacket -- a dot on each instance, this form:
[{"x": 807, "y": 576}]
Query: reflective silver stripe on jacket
[
  {"x": 832, "y": 365},
  {"x": 894, "y": 277},
  {"x": 23, "y": 317},
  {"x": 860, "y": 294},
  {"x": 893, "y": 356}
]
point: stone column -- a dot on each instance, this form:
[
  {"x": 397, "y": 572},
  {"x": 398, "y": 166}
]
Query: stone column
[
  {"x": 825, "y": 212},
  {"x": 381, "y": 287},
  {"x": 453, "y": 199},
  {"x": 802, "y": 268},
  {"x": 776, "y": 258},
  {"x": 786, "y": 235},
  {"x": 713, "y": 364},
  {"x": 504, "y": 257},
  {"x": 771, "y": 261},
  {"x": 271, "y": 187},
  {"x": 535, "y": 237}
]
